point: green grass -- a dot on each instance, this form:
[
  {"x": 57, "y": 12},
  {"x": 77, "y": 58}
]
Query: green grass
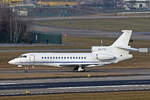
[
  {"x": 132, "y": 95},
  {"x": 136, "y": 24}
]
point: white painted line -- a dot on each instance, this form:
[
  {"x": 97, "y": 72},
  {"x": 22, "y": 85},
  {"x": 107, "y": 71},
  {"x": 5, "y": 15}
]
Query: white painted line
[
  {"x": 88, "y": 87},
  {"x": 7, "y": 83}
]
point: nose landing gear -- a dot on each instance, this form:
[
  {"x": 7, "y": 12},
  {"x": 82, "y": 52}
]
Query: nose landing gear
[{"x": 26, "y": 68}]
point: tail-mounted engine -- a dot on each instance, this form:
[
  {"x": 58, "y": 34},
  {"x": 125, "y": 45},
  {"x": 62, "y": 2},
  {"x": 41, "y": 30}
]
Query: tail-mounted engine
[{"x": 105, "y": 57}]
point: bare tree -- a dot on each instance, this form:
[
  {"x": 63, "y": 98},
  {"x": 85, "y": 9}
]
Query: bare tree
[
  {"x": 11, "y": 27},
  {"x": 4, "y": 25}
]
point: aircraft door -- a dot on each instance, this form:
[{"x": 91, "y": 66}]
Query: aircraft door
[{"x": 32, "y": 59}]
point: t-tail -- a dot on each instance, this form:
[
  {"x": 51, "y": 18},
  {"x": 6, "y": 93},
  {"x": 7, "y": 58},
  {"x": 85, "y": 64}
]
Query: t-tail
[
  {"x": 123, "y": 42},
  {"x": 121, "y": 47},
  {"x": 124, "y": 39}
]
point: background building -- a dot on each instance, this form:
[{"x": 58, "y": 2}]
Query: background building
[
  {"x": 136, "y": 4},
  {"x": 44, "y": 8},
  {"x": 57, "y": 3}
]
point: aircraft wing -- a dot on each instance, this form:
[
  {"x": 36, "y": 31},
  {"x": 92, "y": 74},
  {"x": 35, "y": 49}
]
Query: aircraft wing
[
  {"x": 86, "y": 65},
  {"x": 73, "y": 65}
]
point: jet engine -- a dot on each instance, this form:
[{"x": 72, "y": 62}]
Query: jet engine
[{"x": 105, "y": 57}]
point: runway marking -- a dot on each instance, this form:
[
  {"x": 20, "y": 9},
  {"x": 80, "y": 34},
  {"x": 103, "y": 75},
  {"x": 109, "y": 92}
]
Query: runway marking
[
  {"x": 83, "y": 89},
  {"x": 7, "y": 83},
  {"x": 87, "y": 87}
]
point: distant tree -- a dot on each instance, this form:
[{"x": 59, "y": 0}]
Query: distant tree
[
  {"x": 11, "y": 27},
  {"x": 4, "y": 25},
  {"x": 23, "y": 34}
]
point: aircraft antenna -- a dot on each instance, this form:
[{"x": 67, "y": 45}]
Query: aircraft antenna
[{"x": 101, "y": 42}]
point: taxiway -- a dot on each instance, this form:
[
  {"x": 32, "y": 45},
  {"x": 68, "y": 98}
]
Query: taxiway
[{"x": 54, "y": 85}]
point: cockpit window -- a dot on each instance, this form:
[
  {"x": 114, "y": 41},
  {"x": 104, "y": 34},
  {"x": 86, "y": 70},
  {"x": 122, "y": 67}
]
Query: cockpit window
[{"x": 23, "y": 56}]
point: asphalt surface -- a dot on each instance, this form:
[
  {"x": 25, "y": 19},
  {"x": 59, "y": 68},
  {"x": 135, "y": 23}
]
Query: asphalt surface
[
  {"x": 49, "y": 50},
  {"x": 139, "y": 80},
  {"x": 133, "y": 71},
  {"x": 51, "y": 86},
  {"x": 13, "y": 86},
  {"x": 80, "y": 32},
  {"x": 46, "y": 50}
]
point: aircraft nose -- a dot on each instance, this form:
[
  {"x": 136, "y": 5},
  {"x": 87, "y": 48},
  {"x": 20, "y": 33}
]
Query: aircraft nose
[{"x": 12, "y": 61}]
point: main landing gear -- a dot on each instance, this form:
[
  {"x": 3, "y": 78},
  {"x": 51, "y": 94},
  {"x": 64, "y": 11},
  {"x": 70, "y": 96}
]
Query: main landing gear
[{"x": 79, "y": 69}]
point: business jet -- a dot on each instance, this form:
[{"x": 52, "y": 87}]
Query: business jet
[{"x": 99, "y": 56}]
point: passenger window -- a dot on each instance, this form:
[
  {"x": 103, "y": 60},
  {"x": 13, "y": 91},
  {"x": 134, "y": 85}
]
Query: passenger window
[
  {"x": 70, "y": 57},
  {"x": 73, "y": 57},
  {"x": 67, "y": 57}
]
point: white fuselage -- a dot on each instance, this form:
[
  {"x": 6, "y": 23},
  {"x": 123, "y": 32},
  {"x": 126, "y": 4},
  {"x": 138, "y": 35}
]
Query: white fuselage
[
  {"x": 102, "y": 57},
  {"x": 56, "y": 59}
]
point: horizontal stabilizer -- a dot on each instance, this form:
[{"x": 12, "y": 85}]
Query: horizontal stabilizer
[
  {"x": 144, "y": 50},
  {"x": 128, "y": 48}
]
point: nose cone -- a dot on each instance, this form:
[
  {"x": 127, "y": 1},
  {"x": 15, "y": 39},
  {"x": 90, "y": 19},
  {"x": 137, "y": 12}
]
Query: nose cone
[{"x": 12, "y": 61}]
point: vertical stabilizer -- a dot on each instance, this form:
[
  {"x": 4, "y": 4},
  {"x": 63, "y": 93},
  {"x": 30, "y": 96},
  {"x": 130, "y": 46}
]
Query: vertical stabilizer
[{"x": 123, "y": 40}]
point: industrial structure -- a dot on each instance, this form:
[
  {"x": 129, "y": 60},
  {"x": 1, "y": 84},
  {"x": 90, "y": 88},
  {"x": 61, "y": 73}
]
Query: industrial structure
[
  {"x": 136, "y": 4},
  {"x": 104, "y": 4},
  {"x": 46, "y": 38},
  {"x": 42, "y": 8},
  {"x": 57, "y": 3}
]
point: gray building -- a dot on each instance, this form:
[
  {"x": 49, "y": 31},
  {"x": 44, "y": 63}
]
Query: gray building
[
  {"x": 136, "y": 4},
  {"x": 121, "y": 4}
]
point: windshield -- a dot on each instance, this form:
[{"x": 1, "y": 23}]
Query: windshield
[{"x": 23, "y": 56}]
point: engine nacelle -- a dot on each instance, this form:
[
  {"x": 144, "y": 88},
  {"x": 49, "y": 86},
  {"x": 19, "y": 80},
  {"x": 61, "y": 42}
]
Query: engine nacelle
[{"x": 105, "y": 57}]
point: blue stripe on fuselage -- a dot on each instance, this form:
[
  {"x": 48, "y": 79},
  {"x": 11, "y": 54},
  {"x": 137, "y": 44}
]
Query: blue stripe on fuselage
[{"x": 62, "y": 62}]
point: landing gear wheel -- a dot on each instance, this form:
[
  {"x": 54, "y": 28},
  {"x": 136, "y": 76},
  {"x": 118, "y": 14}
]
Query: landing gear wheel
[
  {"x": 75, "y": 69},
  {"x": 26, "y": 69},
  {"x": 79, "y": 69}
]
